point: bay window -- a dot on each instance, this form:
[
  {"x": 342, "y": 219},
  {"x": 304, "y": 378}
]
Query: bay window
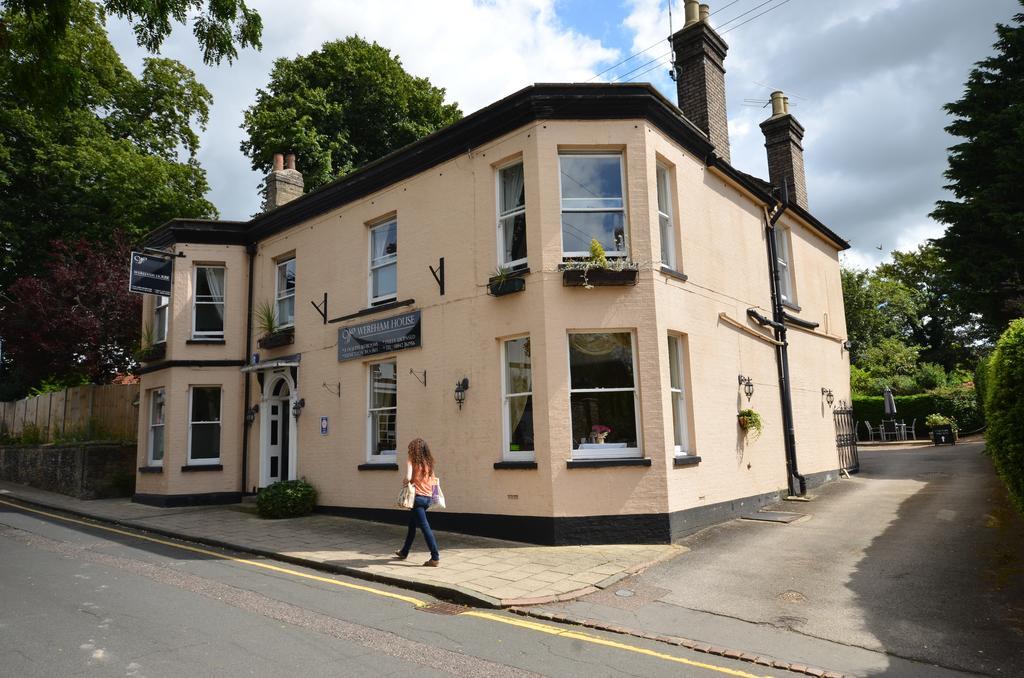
[
  {"x": 383, "y": 412},
  {"x": 593, "y": 206},
  {"x": 603, "y": 396},
  {"x": 384, "y": 262},
  {"x": 204, "y": 425},
  {"x": 160, "y": 306},
  {"x": 511, "y": 216},
  {"x": 517, "y": 395},
  {"x": 157, "y": 404},
  {"x": 208, "y": 303},
  {"x": 285, "y": 293}
]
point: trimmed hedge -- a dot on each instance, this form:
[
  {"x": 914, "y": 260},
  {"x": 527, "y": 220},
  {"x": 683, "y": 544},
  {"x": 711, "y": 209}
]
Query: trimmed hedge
[
  {"x": 286, "y": 499},
  {"x": 1004, "y": 407},
  {"x": 957, "y": 402}
]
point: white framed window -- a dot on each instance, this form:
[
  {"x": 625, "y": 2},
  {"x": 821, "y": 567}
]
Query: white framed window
[
  {"x": 284, "y": 292},
  {"x": 384, "y": 262},
  {"x": 208, "y": 303},
  {"x": 517, "y": 397},
  {"x": 204, "y": 424},
  {"x": 665, "y": 225},
  {"x": 677, "y": 389},
  {"x": 157, "y": 405},
  {"x": 603, "y": 396},
  {"x": 785, "y": 270},
  {"x": 382, "y": 413},
  {"x": 593, "y": 203},
  {"x": 160, "y": 306},
  {"x": 511, "y": 216}
]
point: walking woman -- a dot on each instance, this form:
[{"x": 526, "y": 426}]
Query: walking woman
[{"x": 420, "y": 472}]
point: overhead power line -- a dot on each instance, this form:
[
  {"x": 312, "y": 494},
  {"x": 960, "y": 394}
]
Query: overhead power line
[{"x": 770, "y": 9}]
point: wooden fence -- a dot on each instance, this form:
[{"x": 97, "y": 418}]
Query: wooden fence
[{"x": 91, "y": 412}]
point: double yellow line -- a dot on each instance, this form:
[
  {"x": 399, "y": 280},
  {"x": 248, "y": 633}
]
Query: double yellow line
[{"x": 490, "y": 616}]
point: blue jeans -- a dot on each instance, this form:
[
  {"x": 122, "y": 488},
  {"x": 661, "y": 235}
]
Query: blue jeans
[{"x": 418, "y": 517}]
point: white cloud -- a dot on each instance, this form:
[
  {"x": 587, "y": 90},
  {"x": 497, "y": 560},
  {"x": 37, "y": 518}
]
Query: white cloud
[{"x": 478, "y": 51}]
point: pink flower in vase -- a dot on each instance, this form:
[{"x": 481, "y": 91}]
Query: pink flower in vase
[{"x": 600, "y": 432}]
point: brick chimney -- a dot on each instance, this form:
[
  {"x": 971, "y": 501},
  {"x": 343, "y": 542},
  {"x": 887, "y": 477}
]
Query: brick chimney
[
  {"x": 783, "y": 137},
  {"x": 700, "y": 75},
  {"x": 284, "y": 183}
]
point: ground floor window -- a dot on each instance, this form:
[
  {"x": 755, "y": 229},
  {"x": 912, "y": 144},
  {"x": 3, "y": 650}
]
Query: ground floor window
[
  {"x": 517, "y": 387},
  {"x": 156, "y": 427},
  {"x": 204, "y": 425},
  {"x": 677, "y": 387},
  {"x": 602, "y": 394},
  {"x": 383, "y": 411}
]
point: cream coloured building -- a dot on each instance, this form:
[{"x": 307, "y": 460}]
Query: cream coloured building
[{"x": 596, "y": 412}]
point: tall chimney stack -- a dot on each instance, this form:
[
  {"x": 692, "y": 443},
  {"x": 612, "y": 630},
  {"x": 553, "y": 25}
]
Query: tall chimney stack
[
  {"x": 700, "y": 75},
  {"x": 284, "y": 183},
  {"x": 783, "y": 137}
]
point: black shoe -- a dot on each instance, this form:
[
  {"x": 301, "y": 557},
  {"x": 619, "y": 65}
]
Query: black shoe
[{"x": 401, "y": 556}]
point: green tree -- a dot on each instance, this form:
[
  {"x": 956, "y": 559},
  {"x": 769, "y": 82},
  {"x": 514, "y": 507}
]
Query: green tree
[
  {"x": 110, "y": 151},
  {"x": 984, "y": 240},
  {"x": 1004, "y": 409},
  {"x": 877, "y": 308},
  {"x": 340, "y": 107}
]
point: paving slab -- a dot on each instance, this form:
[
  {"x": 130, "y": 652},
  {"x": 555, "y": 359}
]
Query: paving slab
[{"x": 479, "y": 570}]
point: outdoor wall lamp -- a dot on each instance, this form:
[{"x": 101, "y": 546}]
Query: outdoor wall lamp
[
  {"x": 748, "y": 387},
  {"x": 829, "y": 398},
  {"x": 460, "y": 391},
  {"x": 297, "y": 407},
  {"x": 250, "y": 413}
]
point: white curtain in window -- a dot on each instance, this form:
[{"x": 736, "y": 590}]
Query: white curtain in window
[
  {"x": 215, "y": 281},
  {"x": 511, "y": 188}
]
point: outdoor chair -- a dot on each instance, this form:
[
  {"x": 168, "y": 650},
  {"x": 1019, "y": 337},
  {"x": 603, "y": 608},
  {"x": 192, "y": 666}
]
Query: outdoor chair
[
  {"x": 872, "y": 430},
  {"x": 890, "y": 429},
  {"x": 912, "y": 430}
]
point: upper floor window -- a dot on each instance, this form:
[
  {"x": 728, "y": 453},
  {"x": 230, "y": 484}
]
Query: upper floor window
[
  {"x": 160, "y": 306},
  {"x": 783, "y": 259},
  {"x": 384, "y": 262},
  {"x": 517, "y": 387},
  {"x": 668, "y": 240},
  {"x": 208, "y": 302},
  {"x": 602, "y": 395},
  {"x": 204, "y": 425},
  {"x": 593, "y": 206},
  {"x": 285, "y": 293},
  {"x": 156, "y": 427},
  {"x": 511, "y": 215}
]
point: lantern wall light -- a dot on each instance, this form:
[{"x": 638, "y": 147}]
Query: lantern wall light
[
  {"x": 460, "y": 391},
  {"x": 297, "y": 407},
  {"x": 250, "y": 413},
  {"x": 748, "y": 386},
  {"x": 827, "y": 394}
]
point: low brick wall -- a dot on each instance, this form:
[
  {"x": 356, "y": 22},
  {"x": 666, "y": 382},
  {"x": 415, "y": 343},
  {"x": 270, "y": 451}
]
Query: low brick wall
[{"x": 82, "y": 470}]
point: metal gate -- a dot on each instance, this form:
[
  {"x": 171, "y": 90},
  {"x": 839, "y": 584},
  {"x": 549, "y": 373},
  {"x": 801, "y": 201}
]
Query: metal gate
[{"x": 846, "y": 437}]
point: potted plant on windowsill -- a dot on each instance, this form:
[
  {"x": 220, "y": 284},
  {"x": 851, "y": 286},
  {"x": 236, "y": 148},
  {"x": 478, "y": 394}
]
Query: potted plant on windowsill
[
  {"x": 503, "y": 282},
  {"x": 273, "y": 334},
  {"x": 150, "y": 351},
  {"x": 750, "y": 422},
  {"x": 598, "y": 270},
  {"x": 599, "y": 432},
  {"x": 943, "y": 429}
]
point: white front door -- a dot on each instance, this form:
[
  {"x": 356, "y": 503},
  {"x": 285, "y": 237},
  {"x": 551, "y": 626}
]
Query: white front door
[{"x": 277, "y": 459}]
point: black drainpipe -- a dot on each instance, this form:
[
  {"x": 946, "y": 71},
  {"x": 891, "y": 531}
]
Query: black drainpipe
[
  {"x": 797, "y": 483},
  {"x": 251, "y": 250}
]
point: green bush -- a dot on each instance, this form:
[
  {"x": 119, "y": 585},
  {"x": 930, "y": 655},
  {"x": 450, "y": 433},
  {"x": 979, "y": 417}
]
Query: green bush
[
  {"x": 32, "y": 435},
  {"x": 957, "y": 402},
  {"x": 929, "y": 376},
  {"x": 286, "y": 499},
  {"x": 1004, "y": 409},
  {"x": 981, "y": 383}
]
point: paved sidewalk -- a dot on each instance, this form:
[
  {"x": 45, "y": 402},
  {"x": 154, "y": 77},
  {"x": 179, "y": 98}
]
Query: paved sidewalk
[{"x": 482, "y": 571}]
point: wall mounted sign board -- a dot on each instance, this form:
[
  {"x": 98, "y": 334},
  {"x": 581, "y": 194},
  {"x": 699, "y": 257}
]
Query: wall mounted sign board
[
  {"x": 379, "y": 336},
  {"x": 150, "y": 275}
]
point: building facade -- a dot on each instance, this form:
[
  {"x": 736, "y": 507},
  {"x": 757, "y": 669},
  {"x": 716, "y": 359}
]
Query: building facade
[{"x": 439, "y": 293}]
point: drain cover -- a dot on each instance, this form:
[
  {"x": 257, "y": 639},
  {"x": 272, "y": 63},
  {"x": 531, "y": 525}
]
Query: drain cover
[
  {"x": 443, "y": 608},
  {"x": 773, "y": 516},
  {"x": 624, "y": 593}
]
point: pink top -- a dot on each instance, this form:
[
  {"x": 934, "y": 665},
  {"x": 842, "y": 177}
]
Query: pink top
[{"x": 422, "y": 478}]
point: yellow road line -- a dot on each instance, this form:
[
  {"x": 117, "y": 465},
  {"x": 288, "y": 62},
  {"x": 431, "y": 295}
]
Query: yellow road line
[
  {"x": 245, "y": 561},
  {"x": 509, "y": 620},
  {"x": 586, "y": 638}
]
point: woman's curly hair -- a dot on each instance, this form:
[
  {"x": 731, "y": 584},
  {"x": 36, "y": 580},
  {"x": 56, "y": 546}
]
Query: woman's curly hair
[{"x": 419, "y": 454}]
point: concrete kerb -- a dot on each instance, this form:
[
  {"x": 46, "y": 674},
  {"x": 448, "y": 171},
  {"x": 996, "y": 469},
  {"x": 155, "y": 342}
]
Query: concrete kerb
[{"x": 695, "y": 645}]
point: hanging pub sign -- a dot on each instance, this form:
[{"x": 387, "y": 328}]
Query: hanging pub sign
[
  {"x": 150, "y": 275},
  {"x": 379, "y": 336}
]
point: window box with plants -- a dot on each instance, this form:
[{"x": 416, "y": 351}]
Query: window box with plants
[
  {"x": 598, "y": 270},
  {"x": 273, "y": 334},
  {"x": 149, "y": 349},
  {"x": 943, "y": 429},
  {"x": 505, "y": 281}
]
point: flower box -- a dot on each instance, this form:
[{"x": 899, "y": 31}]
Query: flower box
[
  {"x": 279, "y": 338},
  {"x": 499, "y": 288},
  {"x": 153, "y": 353},
  {"x": 598, "y": 277}
]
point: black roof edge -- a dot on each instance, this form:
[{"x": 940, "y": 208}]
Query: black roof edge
[
  {"x": 758, "y": 188},
  {"x": 200, "y": 231}
]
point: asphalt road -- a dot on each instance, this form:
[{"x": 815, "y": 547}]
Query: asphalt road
[{"x": 87, "y": 600}]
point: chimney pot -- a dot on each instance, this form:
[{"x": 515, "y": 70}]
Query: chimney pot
[
  {"x": 284, "y": 183},
  {"x": 289, "y": 161},
  {"x": 278, "y": 162},
  {"x": 705, "y": 12},
  {"x": 779, "y": 104},
  {"x": 691, "y": 9}
]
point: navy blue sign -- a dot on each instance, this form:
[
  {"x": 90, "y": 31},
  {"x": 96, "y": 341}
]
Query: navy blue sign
[
  {"x": 379, "y": 336},
  {"x": 150, "y": 275}
]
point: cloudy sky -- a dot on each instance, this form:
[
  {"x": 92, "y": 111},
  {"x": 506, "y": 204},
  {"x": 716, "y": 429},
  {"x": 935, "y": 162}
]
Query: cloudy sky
[{"x": 867, "y": 79}]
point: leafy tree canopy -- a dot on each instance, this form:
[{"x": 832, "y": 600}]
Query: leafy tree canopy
[
  {"x": 338, "y": 108},
  {"x": 984, "y": 239}
]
